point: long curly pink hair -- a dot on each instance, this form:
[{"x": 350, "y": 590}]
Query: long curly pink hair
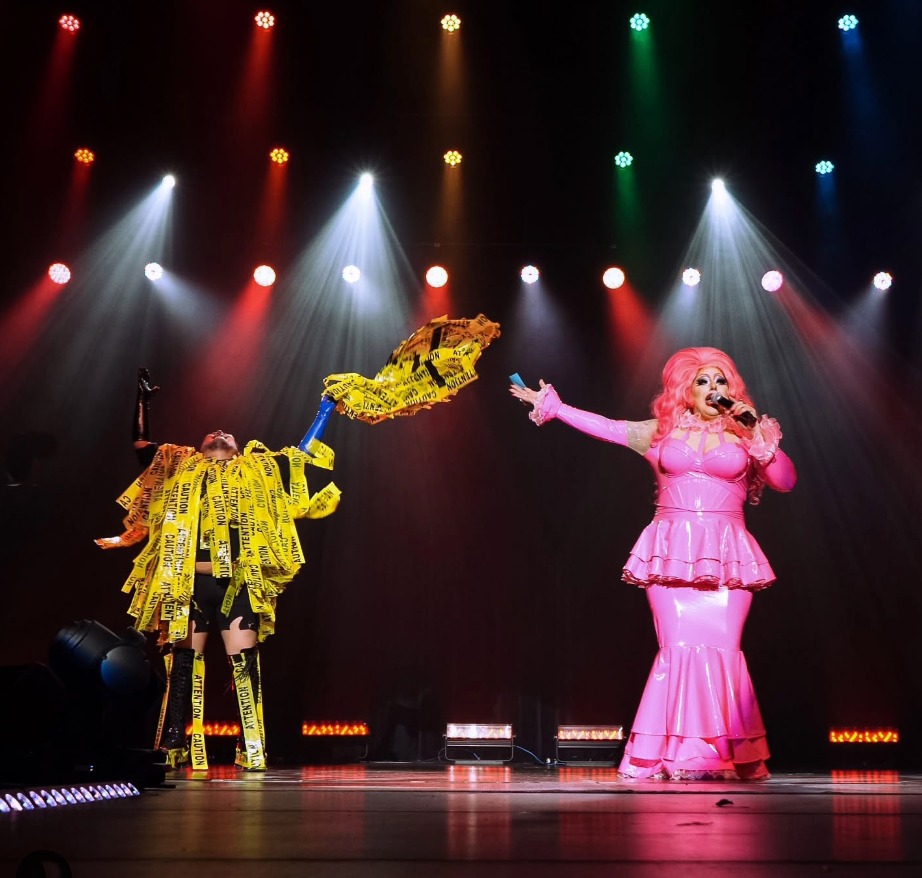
[{"x": 675, "y": 398}]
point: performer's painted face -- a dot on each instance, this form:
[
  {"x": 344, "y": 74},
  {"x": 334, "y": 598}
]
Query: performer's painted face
[
  {"x": 708, "y": 380},
  {"x": 219, "y": 445}
]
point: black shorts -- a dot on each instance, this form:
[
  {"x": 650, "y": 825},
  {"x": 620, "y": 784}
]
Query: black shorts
[{"x": 207, "y": 597}]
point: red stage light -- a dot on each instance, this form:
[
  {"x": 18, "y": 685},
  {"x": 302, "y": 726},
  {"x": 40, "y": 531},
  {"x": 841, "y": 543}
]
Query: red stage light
[
  {"x": 331, "y": 730},
  {"x": 864, "y": 736},
  {"x": 436, "y": 276},
  {"x": 84, "y": 156},
  {"x": 59, "y": 273},
  {"x": 613, "y": 278},
  {"x": 265, "y": 20},
  {"x": 279, "y": 155},
  {"x": 69, "y": 22},
  {"x": 218, "y": 730},
  {"x": 264, "y": 275}
]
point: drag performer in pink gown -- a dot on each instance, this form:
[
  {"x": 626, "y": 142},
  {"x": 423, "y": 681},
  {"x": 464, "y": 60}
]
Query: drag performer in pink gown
[{"x": 698, "y": 717}]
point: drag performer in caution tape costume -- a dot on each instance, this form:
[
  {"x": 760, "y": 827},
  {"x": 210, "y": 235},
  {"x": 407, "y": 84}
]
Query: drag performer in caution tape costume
[
  {"x": 221, "y": 539},
  {"x": 221, "y": 547}
]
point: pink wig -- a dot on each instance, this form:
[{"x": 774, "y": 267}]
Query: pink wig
[{"x": 678, "y": 376}]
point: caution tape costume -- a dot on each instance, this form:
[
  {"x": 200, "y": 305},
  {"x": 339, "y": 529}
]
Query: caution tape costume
[
  {"x": 432, "y": 365},
  {"x": 183, "y": 499}
]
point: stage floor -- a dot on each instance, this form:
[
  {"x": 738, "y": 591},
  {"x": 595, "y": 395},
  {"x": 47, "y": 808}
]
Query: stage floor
[{"x": 389, "y": 819}]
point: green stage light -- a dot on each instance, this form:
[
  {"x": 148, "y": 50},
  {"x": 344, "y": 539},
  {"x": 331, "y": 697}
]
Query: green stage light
[
  {"x": 624, "y": 159},
  {"x": 639, "y": 21}
]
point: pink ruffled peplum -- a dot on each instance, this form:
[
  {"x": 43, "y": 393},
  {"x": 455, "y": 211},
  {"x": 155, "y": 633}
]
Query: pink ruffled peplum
[{"x": 698, "y": 535}]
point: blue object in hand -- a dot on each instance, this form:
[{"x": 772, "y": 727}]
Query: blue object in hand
[
  {"x": 315, "y": 431},
  {"x": 515, "y": 378}
]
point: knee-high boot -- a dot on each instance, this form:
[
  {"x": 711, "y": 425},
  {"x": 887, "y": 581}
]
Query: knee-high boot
[
  {"x": 176, "y": 706},
  {"x": 251, "y": 746}
]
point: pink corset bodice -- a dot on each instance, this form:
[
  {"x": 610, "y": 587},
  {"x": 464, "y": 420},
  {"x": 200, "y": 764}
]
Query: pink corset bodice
[{"x": 692, "y": 480}]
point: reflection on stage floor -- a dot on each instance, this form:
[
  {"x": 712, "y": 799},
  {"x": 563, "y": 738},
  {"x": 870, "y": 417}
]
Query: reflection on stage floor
[{"x": 390, "y": 819}]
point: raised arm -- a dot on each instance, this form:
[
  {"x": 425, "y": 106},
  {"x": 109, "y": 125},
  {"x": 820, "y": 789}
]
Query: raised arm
[
  {"x": 140, "y": 425},
  {"x": 548, "y": 406},
  {"x": 310, "y": 443}
]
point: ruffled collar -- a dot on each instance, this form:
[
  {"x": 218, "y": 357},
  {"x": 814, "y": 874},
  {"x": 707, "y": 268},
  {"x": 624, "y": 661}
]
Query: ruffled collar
[{"x": 689, "y": 420}]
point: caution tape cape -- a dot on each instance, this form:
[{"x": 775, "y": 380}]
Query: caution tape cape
[
  {"x": 433, "y": 364},
  {"x": 182, "y": 488}
]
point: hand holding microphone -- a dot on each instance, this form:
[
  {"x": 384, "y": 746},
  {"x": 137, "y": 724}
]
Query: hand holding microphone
[{"x": 747, "y": 419}]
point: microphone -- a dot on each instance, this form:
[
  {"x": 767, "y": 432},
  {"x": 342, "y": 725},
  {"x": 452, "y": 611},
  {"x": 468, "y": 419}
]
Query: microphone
[{"x": 747, "y": 419}]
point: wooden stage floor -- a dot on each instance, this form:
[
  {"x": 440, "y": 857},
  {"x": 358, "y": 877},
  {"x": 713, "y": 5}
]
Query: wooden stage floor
[{"x": 386, "y": 819}]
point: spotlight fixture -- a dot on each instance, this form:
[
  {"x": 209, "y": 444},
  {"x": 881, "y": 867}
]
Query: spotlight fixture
[
  {"x": 452, "y": 158},
  {"x": 718, "y": 186},
  {"x": 69, "y": 23},
  {"x": 153, "y": 271},
  {"x": 366, "y": 181},
  {"x": 436, "y": 276},
  {"x": 772, "y": 280},
  {"x": 87, "y": 656},
  {"x": 639, "y": 22},
  {"x": 451, "y": 23},
  {"x": 265, "y": 20},
  {"x": 468, "y": 738},
  {"x": 530, "y": 274},
  {"x": 824, "y": 167},
  {"x": 581, "y": 741},
  {"x": 624, "y": 160},
  {"x": 691, "y": 277},
  {"x": 59, "y": 273},
  {"x": 882, "y": 280},
  {"x": 848, "y": 22},
  {"x": 351, "y": 274},
  {"x": 613, "y": 278},
  {"x": 279, "y": 155},
  {"x": 84, "y": 156},
  {"x": 168, "y": 182},
  {"x": 264, "y": 275}
]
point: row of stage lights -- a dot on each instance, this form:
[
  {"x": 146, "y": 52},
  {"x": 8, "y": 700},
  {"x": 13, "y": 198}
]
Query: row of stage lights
[
  {"x": 450, "y": 23},
  {"x": 453, "y": 158},
  {"x": 436, "y": 276},
  {"x": 625, "y": 159}
]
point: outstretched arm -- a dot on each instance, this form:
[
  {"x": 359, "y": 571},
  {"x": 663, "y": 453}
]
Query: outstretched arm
[{"x": 547, "y": 406}]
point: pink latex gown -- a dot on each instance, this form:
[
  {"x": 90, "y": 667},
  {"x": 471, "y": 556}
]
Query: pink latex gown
[{"x": 698, "y": 716}]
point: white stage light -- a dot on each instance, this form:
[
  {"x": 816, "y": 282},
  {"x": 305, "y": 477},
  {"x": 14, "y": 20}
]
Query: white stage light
[
  {"x": 530, "y": 274},
  {"x": 771, "y": 281},
  {"x": 264, "y": 275},
  {"x": 613, "y": 278},
  {"x": 436, "y": 276}
]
